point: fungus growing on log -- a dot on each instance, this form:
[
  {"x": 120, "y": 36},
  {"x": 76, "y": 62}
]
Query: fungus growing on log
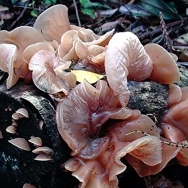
[
  {"x": 100, "y": 132},
  {"x": 93, "y": 119},
  {"x": 165, "y": 69},
  {"x": 53, "y": 22},
  {"x": 33, "y": 48},
  {"x": 127, "y": 59},
  {"x": 81, "y": 115},
  {"x": 46, "y": 68},
  {"x": 12, "y": 45},
  {"x": 8, "y": 57},
  {"x": 174, "y": 94},
  {"x": 174, "y": 125},
  {"x": 75, "y": 43},
  {"x": 20, "y": 143}
]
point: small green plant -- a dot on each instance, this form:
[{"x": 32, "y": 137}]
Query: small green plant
[
  {"x": 34, "y": 12},
  {"x": 88, "y": 7}
]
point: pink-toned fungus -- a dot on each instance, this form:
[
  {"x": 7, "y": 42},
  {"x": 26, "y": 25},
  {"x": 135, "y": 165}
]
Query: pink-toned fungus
[
  {"x": 1, "y": 135},
  {"x": 81, "y": 115},
  {"x": 53, "y": 22},
  {"x": 88, "y": 37},
  {"x": 96, "y": 54},
  {"x": 42, "y": 157},
  {"x": 43, "y": 150},
  {"x": 174, "y": 94},
  {"x": 71, "y": 47},
  {"x": 99, "y": 131},
  {"x": 168, "y": 153},
  {"x": 102, "y": 171},
  {"x": 11, "y": 129},
  {"x": 33, "y": 48},
  {"x": 75, "y": 43},
  {"x": 165, "y": 69},
  {"x": 172, "y": 133},
  {"x": 8, "y": 56},
  {"x": 44, "y": 65},
  {"x": 174, "y": 126},
  {"x": 126, "y": 59},
  {"x": 22, "y": 113},
  {"x": 177, "y": 113},
  {"x": 12, "y": 45}
]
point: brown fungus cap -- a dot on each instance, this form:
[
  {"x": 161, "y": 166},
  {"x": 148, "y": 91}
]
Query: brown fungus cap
[
  {"x": 22, "y": 113},
  {"x": 1, "y": 135},
  {"x": 44, "y": 158},
  {"x": 36, "y": 141},
  {"x": 165, "y": 70},
  {"x": 43, "y": 150},
  {"x": 28, "y": 185},
  {"x": 20, "y": 143},
  {"x": 11, "y": 129}
]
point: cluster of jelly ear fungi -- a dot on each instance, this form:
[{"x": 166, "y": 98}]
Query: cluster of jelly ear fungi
[{"x": 47, "y": 50}]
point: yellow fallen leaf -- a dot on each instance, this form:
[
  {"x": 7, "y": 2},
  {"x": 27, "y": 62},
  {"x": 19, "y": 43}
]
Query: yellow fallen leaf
[{"x": 91, "y": 77}]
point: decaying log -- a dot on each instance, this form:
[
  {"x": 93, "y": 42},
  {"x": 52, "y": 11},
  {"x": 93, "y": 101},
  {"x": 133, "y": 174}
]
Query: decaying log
[{"x": 18, "y": 166}]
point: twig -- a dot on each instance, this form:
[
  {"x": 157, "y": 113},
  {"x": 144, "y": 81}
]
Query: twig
[
  {"x": 30, "y": 8},
  {"x": 77, "y": 15},
  {"x": 20, "y": 16},
  {"x": 163, "y": 140},
  {"x": 165, "y": 33}
]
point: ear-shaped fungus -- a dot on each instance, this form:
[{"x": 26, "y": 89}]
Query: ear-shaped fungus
[
  {"x": 53, "y": 22},
  {"x": 168, "y": 153},
  {"x": 88, "y": 37},
  {"x": 165, "y": 69},
  {"x": 75, "y": 43},
  {"x": 8, "y": 56},
  {"x": 126, "y": 59},
  {"x": 81, "y": 115},
  {"x": 20, "y": 37},
  {"x": 44, "y": 65},
  {"x": 96, "y": 154},
  {"x": 70, "y": 43},
  {"x": 33, "y": 48},
  {"x": 102, "y": 171},
  {"x": 96, "y": 54},
  {"x": 177, "y": 113},
  {"x": 175, "y": 127},
  {"x": 143, "y": 124},
  {"x": 174, "y": 94}
]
